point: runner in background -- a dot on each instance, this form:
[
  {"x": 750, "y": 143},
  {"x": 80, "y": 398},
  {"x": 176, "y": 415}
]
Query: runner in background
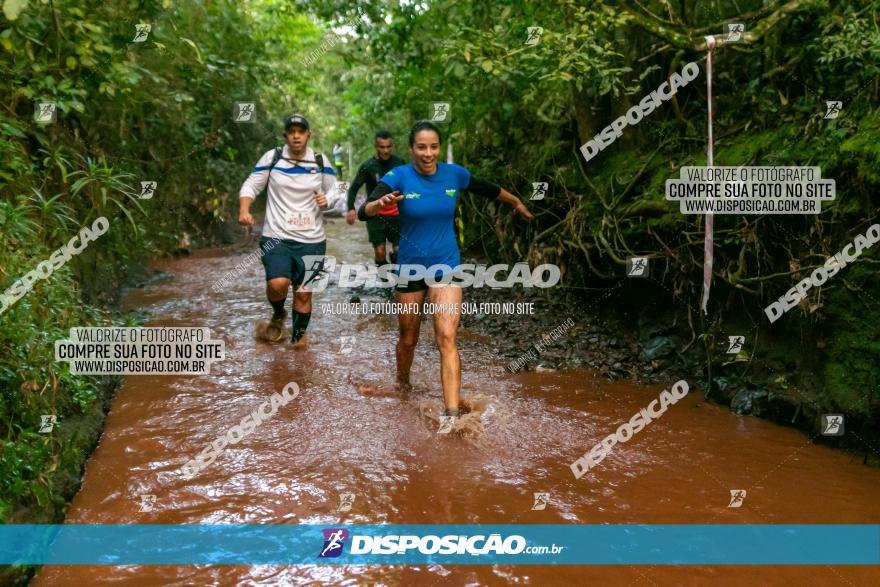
[
  {"x": 339, "y": 160},
  {"x": 426, "y": 193},
  {"x": 296, "y": 181},
  {"x": 384, "y": 227}
]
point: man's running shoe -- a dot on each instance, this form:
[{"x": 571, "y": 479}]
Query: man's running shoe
[{"x": 276, "y": 331}]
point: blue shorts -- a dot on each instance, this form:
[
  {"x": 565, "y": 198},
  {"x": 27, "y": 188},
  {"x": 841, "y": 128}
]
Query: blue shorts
[{"x": 285, "y": 258}]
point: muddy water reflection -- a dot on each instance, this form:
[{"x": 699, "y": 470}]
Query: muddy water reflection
[{"x": 383, "y": 448}]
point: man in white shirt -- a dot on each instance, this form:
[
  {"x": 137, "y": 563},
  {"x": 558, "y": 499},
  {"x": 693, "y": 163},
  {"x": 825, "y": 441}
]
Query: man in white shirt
[{"x": 297, "y": 181}]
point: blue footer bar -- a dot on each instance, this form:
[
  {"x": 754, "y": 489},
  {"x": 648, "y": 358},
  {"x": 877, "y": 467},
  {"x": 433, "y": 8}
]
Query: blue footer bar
[{"x": 563, "y": 544}]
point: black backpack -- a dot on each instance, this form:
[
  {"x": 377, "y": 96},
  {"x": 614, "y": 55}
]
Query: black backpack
[{"x": 319, "y": 159}]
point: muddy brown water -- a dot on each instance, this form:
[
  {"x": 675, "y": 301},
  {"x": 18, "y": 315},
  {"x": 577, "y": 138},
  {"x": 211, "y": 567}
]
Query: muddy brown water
[{"x": 332, "y": 439}]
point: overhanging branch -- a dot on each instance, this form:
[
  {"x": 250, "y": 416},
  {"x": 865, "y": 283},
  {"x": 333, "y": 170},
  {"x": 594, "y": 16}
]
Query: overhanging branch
[{"x": 693, "y": 39}]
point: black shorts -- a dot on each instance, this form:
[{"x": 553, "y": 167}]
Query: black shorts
[
  {"x": 284, "y": 258},
  {"x": 383, "y": 228},
  {"x": 412, "y": 286}
]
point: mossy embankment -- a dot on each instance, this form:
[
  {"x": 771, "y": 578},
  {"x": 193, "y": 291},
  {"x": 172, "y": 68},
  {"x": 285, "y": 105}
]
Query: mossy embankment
[{"x": 821, "y": 357}]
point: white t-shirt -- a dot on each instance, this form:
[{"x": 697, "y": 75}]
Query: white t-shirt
[{"x": 291, "y": 210}]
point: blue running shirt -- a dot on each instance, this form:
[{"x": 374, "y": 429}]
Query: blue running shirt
[{"x": 427, "y": 213}]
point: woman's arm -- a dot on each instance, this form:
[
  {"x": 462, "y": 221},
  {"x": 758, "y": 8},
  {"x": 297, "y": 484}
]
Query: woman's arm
[
  {"x": 518, "y": 206},
  {"x": 488, "y": 189},
  {"x": 380, "y": 198}
]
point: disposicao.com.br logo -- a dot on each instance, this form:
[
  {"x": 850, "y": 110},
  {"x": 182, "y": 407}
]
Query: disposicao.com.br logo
[
  {"x": 452, "y": 544},
  {"x": 320, "y": 268}
]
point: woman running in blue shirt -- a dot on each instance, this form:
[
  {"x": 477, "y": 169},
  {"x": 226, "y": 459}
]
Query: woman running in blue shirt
[{"x": 426, "y": 193}]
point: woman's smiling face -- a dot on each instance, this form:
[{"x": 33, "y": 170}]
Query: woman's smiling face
[{"x": 425, "y": 149}]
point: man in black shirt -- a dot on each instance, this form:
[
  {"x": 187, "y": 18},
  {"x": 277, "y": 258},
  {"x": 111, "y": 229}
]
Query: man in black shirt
[{"x": 383, "y": 227}]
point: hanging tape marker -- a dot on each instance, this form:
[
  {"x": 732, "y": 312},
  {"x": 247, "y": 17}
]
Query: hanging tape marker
[{"x": 709, "y": 242}]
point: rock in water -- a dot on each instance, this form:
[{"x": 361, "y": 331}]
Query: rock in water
[
  {"x": 749, "y": 401},
  {"x": 659, "y": 346}
]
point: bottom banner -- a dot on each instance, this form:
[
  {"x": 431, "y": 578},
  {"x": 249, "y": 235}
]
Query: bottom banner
[{"x": 518, "y": 544}]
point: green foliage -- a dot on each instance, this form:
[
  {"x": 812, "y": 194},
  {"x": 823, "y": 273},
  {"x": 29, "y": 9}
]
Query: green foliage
[
  {"x": 854, "y": 45},
  {"x": 852, "y": 311},
  {"x": 161, "y": 110}
]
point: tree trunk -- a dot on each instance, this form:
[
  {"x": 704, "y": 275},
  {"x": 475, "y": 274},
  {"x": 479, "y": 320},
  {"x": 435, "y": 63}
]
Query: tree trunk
[{"x": 583, "y": 114}]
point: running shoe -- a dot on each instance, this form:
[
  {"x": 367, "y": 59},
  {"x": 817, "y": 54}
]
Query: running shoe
[{"x": 276, "y": 330}]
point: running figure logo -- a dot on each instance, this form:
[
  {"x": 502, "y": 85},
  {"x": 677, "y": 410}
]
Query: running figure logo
[
  {"x": 346, "y": 500},
  {"x": 317, "y": 271},
  {"x": 637, "y": 267},
  {"x": 534, "y": 35},
  {"x": 148, "y": 503},
  {"x": 45, "y": 112},
  {"x": 539, "y": 190},
  {"x": 735, "y": 344},
  {"x": 832, "y": 424},
  {"x": 832, "y": 109},
  {"x": 147, "y": 189},
  {"x": 440, "y": 112},
  {"x": 541, "y": 501},
  {"x": 141, "y": 32},
  {"x": 244, "y": 112},
  {"x": 47, "y": 423},
  {"x": 334, "y": 540},
  {"x": 446, "y": 423},
  {"x": 734, "y": 32},
  {"x": 737, "y": 497}
]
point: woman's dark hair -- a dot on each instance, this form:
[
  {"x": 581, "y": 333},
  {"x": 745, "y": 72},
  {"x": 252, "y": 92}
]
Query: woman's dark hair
[{"x": 420, "y": 126}]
